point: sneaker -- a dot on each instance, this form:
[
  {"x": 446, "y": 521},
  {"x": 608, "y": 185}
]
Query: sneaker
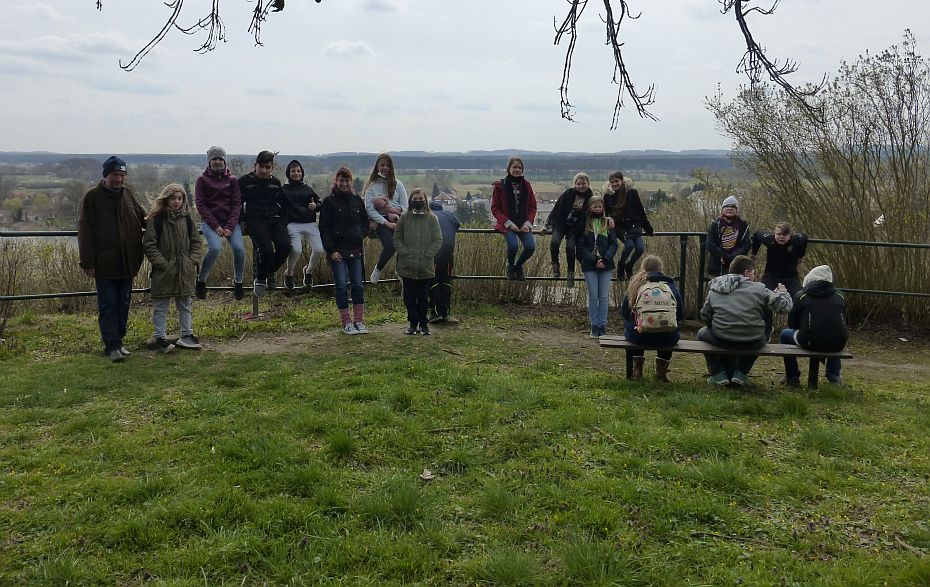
[
  {"x": 259, "y": 287},
  {"x": 115, "y": 356},
  {"x": 189, "y": 342},
  {"x": 603, "y": 330},
  {"x": 719, "y": 379},
  {"x": 361, "y": 328},
  {"x": 595, "y": 332},
  {"x": 411, "y": 330},
  {"x": 837, "y": 380},
  {"x": 570, "y": 280},
  {"x": 349, "y": 328},
  {"x": 424, "y": 330},
  {"x": 520, "y": 275},
  {"x": 791, "y": 381},
  {"x": 738, "y": 379},
  {"x": 308, "y": 277},
  {"x": 201, "y": 290},
  {"x": 163, "y": 345},
  {"x": 375, "y": 275},
  {"x": 289, "y": 281},
  {"x": 124, "y": 351},
  {"x": 238, "y": 290},
  {"x": 436, "y": 319},
  {"x": 272, "y": 282},
  {"x": 510, "y": 273}
]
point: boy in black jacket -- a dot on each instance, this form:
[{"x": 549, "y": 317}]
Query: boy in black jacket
[
  {"x": 817, "y": 321},
  {"x": 263, "y": 212},
  {"x": 784, "y": 252}
]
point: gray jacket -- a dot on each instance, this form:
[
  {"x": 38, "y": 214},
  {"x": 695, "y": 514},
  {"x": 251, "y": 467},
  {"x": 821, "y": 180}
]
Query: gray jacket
[{"x": 736, "y": 307}]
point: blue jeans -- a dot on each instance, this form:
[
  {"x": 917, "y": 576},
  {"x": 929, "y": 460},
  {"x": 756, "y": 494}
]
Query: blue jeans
[
  {"x": 791, "y": 364},
  {"x": 184, "y": 304},
  {"x": 215, "y": 246},
  {"x": 513, "y": 240},
  {"x": 598, "y": 284},
  {"x": 349, "y": 269},
  {"x": 632, "y": 250},
  {"x": 113, "y": 297}
]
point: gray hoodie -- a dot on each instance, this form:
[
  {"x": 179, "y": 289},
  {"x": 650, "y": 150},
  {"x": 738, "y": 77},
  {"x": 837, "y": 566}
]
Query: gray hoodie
[{"x": 736, "y": 307}]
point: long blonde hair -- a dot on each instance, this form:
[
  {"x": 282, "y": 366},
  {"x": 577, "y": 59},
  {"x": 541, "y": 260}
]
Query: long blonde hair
[
  {"x": 650, "y": 264},
  {"x": 161, "y": 201},
  {"x": 391, "y": 180}
]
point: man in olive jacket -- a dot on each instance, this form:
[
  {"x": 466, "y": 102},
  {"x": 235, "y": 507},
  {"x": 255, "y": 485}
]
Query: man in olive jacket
[{"x": 110, "y": 224}]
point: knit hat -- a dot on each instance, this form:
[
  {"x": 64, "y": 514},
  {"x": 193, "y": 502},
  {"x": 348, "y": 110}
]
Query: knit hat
[
  {"x": 819, "y": 273},
  {"x": 216, "y": 152},
  {"x": 112, "y": 164},
  {"x": 730, "y": 201}
]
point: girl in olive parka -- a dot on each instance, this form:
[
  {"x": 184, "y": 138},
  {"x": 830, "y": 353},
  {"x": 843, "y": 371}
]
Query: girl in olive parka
[
  {"x": 172, "y": 246},
  {"x": 417, "y": 239}
]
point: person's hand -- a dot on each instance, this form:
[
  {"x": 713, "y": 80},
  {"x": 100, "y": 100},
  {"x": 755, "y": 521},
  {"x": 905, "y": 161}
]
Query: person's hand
[
  {"x": 514, "y": 227},
  {"x": 391, "y": 225},
  {"x": 336, "y": 257},
  {"x": 220, "y": 231},
  {"x": 600, "y": 264},
  {"x": 393, "y": 217},
  {"x": 526, "y": 228},
  {"x": 90, "y": 272},
  {"x": 312, "y": 206},
  {"x": 610, "y": 222},
  {"x": 781, "y": 288},
  {"x": 227, "y": 233}
]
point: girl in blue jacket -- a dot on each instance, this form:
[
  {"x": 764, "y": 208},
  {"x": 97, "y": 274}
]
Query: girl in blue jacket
[{"x": 596, "y": 247}]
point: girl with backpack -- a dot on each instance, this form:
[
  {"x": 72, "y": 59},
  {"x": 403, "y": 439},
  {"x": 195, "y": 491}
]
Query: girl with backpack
[
  {"x": 652, "y": 311},
  {"x": 172, "y": 246},
  {"x": 596, "y": 247}
]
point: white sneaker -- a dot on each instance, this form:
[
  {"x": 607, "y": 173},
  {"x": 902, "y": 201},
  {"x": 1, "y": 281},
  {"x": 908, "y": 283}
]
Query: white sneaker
[
  {"x": 349, "y": 329},
  {"x": 375, "y": 275},
  {"x": 361, "y": 328}
]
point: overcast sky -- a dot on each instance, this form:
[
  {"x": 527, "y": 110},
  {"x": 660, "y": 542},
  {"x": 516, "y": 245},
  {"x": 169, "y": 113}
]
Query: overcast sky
[{"x": 390, "y": 75}]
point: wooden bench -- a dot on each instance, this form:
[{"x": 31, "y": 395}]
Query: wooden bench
[{"x": 699, "y": 346}]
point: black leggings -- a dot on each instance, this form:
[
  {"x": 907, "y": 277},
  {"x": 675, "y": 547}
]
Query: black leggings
[
  {"x": 386, "y": 236},
  {"x": 555, "y": 243}
]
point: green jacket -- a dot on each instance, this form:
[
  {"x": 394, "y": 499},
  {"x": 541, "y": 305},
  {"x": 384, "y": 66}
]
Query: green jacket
[
  {"x": 417, "y": 239},
  {"x": 174, "y": 256},
  {"x": 110, "y": 233}
]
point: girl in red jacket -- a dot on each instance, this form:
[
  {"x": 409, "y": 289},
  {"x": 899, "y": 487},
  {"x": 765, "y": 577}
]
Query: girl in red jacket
[{"x": 513, "y": 204}]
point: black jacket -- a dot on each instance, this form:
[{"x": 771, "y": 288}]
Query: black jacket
[
  {"x": 718, "y": 235},
  {"x": 629, "y": 215},
  {"x": 780, "y": 260},
  {"x": 296, "y": 198},
  {"x": 564, "y": 217},
  {"x": 819, "y": 316},
  {"x": 343, "y": 223},
  {"x": 261, "y": 198},
  {"x": 590, "y": 247}
]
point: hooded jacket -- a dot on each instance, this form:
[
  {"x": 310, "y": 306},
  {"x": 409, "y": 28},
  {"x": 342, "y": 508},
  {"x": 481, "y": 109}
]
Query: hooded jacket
[
  {"x": 417, "y": 240},
  {"x": 564, "y": 217},
  {"x": 218, "y": 199},
  {"x": 174, "y": 255},
  {"x": 110, "y": 233},
  {"x": 605, "y": 245},
  {"x": 725, "y": 241},
  {"x": 448, "y": 225},
  {"x": 736, "y": 307},
  {"x": 343, "y": 223},
  {"x": 629, "y": 215},
  {"x": 819, "y": 313},
  {"x": 297, "y": 196}
]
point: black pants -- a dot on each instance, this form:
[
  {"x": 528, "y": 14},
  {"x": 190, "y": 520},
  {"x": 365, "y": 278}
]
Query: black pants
[
  {"x": 556, "y": 241},
  {"x": 386, "y": 236},
  {"x": 270, "y": 245},
  {"x": 440, "y": 286},
  {"x": 416, "y": 298}
]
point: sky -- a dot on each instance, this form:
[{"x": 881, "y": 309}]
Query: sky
[{"x": 393, "y": 75}]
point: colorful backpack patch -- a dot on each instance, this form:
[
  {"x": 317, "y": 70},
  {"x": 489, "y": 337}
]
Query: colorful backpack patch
[{"x": 655, "y": 308}]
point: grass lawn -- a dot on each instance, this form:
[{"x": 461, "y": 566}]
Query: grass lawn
[{"x": 286, "y": 453}]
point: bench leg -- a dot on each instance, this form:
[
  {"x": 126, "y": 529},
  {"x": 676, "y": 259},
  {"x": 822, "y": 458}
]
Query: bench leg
[
  {"x": 629, "y": 365},
  {"x": 813, "y": 373}
]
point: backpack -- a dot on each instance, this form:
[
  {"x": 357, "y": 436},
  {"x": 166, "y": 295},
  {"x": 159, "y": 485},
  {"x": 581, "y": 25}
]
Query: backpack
[{"x": 655, "y": 308}]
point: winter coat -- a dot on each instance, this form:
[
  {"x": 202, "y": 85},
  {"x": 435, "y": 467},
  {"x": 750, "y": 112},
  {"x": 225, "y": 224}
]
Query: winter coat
[
  {"x": 343, "y": 224},
  {"x": 218, "y": 199},
  {"x": 736, "y": 307},
  {"x": 725, "y": 241},
  {"x": 629, "y": 214},
  {"x": 261, "y": 198},
  {"x": 819, "y": 316},
  {"x": 605, "y": 246},
  {"x": 449, "y": 225},
  {"x": 297, "y": 196},
  {"x": 781, "y": 261},
  {"x": 110, "y": 233},
  {"x": 174, "y": 255},
  {"x": 379, "y": 187},
  {"x": 503, "y": 205},
  {"x": 652, "y": 338},
  {"x": 564, "y": 217},
  {"x": 417, "y": 240}
]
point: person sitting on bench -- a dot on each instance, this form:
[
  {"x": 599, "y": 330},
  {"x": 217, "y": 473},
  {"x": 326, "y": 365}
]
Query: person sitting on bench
[
  {"x": 817, "y": 321},
  {"x": 738, "y": 315}
]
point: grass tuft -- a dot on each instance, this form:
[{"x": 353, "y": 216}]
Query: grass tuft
[{"x": 511, "y": 568}]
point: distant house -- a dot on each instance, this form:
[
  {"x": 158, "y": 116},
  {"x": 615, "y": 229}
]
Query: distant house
[{"x": 447, "y": 196}]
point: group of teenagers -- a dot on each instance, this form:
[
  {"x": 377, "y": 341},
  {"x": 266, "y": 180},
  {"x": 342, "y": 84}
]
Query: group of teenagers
[{"x": 115, "y": 234}]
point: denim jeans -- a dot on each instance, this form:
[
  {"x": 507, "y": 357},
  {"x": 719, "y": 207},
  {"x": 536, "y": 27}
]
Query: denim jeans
[
  {"x": 160, "y": 315},
  {"x": 791, "y": 364},
  {"x": 556, "y": 242},
  {"x": 215, "y": 246},
  {"x": 513, "y": 240},
  {"x": 728, "y": 363},
  {"x": 113, "y": 297},
  {"x": 632, "y": 250},
  {"x": 344, "y": 271},
  {"x": 296, "y": 231},
  {"x": 598, "y": 284}
]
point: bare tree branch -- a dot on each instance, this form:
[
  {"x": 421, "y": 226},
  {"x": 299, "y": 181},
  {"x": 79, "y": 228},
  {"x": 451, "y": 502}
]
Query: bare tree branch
[
  {"x": 176, "y": 5},
  {"x": 260, "y": 15}
]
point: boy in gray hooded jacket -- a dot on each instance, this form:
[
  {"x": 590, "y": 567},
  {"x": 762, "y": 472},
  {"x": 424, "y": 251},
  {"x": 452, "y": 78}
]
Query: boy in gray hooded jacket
[{"x": 738, "y": 312}]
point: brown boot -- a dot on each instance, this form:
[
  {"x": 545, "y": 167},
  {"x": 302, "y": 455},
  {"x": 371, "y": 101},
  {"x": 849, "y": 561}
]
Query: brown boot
[
  {"x": 638, "y": 367},
  {"x": 662, "y": 370}
]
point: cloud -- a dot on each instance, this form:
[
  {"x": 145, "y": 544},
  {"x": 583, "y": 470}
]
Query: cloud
[
  {"x": 42, "y": 11},
  {"x": 72, "y": 48},
  {"x": 384, "y": 5},
  {"x": 348, "y": 49},
  {"x": 130, "y": 84}
]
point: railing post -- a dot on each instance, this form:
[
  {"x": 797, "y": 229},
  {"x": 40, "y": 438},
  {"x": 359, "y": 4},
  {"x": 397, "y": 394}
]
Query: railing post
[
  {"x": 702, "y": 267},
  {"x": 682, "y": 266}
]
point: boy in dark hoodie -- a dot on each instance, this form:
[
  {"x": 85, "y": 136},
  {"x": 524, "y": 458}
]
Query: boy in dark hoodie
[
  {"x": 738, "y": 315},
  {"x": 301, "y": 206},
  {"x": 817, "y": 321},
  {"x": 440, "y": 289},
  {"x": 784, "y": 252},
  {"x": 263, "y": 212}
]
